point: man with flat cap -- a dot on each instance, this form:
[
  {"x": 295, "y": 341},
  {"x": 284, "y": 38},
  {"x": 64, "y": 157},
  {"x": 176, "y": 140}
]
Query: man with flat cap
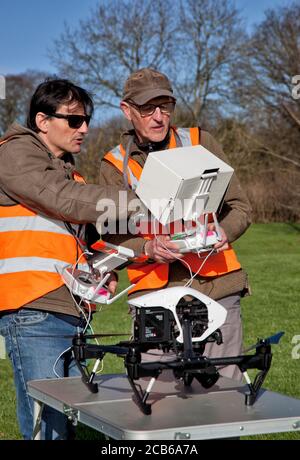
[{"x": 148, "y": 103}]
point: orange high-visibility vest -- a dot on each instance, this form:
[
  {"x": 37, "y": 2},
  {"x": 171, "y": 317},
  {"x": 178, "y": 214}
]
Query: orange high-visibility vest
[
  {"x": 155, "y": 276},
  {"x": 34, "y": 249}
]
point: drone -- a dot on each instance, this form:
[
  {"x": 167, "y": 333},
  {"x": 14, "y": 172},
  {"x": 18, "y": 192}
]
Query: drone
[{"x": 179, "y": 321}]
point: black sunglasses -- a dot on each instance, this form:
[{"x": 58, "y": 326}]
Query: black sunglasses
[{"x": 74, "y": 121}]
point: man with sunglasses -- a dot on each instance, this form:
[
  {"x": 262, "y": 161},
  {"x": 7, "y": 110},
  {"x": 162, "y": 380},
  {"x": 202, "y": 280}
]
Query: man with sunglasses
[
  {"x": 148, "y": 103},
  {"x": 44, "y": 204}
]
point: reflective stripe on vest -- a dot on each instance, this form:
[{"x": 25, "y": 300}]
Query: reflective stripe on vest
[
  {"x": 116, "y": 156},
  {"x": 21, "y": 264},
  {"x": 155, "y": 276},
  {"x": 34, "y": 249},
  {"x": 186, "y": 136},
  {"x": 32, "y": 223}
]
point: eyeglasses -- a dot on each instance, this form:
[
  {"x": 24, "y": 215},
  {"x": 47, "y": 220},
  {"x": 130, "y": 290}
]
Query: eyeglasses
[
  {"x": 146, "y": 110},
  {"x": 74, "y": 121}
]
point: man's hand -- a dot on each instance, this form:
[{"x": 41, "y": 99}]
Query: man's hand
[
  {"x": 162, "y": 250},
  {"x": 112, "y": 283},
  {"x": 223, "y": 244}
]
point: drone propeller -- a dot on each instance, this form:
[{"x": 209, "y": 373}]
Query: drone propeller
[
  {"x": 93, "y": 336},
  {"x": 88, "y": 336},
  {"x": 272, "y": 340}
]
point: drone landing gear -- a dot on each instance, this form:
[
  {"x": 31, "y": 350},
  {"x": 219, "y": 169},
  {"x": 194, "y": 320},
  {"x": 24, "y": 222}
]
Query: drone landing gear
[
  {"x": 254, "y": 388},
  {"x": 187, "y": 365},
  {"x": 142, "y": 396},
  {"x": 264, "y": 359},
  {"x": 187, "y": 379},
  {"x": 207, "y": 377},
  {"x": 135, "y": 370},
  {"x": 87, "y": 378}
]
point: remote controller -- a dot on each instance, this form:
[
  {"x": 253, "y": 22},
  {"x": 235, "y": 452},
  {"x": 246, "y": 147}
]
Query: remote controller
[
  {"x": 196, "y": 242},
  {"x": 84, "y": 285}
]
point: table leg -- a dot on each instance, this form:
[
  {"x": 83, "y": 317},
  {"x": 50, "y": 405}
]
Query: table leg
[{"x": 37, "y": 419}]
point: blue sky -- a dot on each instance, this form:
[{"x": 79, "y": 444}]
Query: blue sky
[{"x": 29, "y": 27}]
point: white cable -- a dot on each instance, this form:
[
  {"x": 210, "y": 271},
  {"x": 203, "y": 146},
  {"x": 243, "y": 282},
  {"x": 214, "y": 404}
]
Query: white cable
[
  {"x": 101, "y": 369},
  {"x": 192, "y": 276},
  {"x": 171, "y": 252},
  {"x": 56, "y": 361},
  {"x": 87, "y": 319},
  {"x": 188, "y": 284},
  {"x": 81, "y": 299},
  {"x": 178, "y": 258}
]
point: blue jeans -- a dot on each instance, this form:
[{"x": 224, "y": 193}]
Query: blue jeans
[{"x": 33, "y": 358}]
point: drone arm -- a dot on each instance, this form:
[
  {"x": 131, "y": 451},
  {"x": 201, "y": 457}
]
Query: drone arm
[
  {"x": 88, "y": 351},
  {"x": 83, "y": 351}
]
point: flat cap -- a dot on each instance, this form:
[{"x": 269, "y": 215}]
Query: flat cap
[{"x": 146, "y": 84}]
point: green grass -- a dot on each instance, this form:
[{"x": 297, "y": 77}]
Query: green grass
[{"x": 270, "y": 254}]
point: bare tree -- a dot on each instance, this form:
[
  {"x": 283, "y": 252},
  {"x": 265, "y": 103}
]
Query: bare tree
[
  {"x": 19, "y": 89},
  {"x": 119, "y": 37},
  {"x": 210, "y": 42},
  {"x": 272, "y": 59},
  {"x": 264, "y": 93},
  {"x": 100, "y": 141},
  {"x": 194, "y": 41}
]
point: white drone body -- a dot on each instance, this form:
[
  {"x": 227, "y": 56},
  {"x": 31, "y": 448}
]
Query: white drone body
[{"x": 169, "y": 298}]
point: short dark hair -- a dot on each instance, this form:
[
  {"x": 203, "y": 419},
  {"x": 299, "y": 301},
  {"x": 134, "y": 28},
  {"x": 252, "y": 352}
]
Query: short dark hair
[{"x": 50, "y": 94}]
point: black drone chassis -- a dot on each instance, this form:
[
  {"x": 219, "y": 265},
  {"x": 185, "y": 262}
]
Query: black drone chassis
[{"x": 186, "y": 366}]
